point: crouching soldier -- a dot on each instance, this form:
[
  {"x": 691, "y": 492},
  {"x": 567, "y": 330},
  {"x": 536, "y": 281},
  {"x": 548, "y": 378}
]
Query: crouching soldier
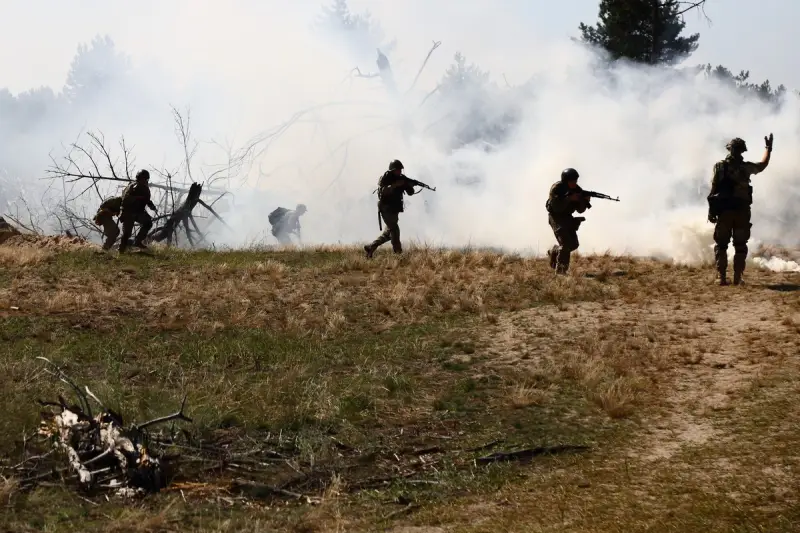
[{"x": 104, "y": 218}]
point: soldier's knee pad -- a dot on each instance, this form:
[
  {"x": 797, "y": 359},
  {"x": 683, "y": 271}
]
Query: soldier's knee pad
[{"x": 741, "y": 236}]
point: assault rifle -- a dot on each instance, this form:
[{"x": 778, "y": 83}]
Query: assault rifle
[
  {"x": 419, "y": 184},
  {"x": 414, "y": 183},
  {"x": 593, "y": 194}
]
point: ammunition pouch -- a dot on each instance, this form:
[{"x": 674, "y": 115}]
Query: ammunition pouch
[
  {"x": 718, "y": 204},
  {"x": 577, "y": 221}
]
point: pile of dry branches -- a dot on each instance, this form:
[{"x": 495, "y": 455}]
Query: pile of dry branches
[{"x": 101, "y": 453}]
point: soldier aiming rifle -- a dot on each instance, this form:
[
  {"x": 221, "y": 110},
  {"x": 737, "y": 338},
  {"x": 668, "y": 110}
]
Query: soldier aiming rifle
[
  {"x": 564, "y": 199},
  {"x": 391, "y": 187}
]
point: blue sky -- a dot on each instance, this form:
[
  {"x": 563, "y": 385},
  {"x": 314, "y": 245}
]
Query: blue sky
[{"x": 38, "y": 38}]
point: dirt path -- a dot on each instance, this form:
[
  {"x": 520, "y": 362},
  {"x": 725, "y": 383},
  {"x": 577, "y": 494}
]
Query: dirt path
[
  {"x": 700, "y": 352},
  {"x": 708, "y": 380}
]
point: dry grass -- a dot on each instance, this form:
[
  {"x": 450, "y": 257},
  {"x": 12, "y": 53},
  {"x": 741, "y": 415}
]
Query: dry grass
[
  {"x": 142, "y": 521},
  {"x": 8, "y": 486},
  {"x": 344, "y": 292},
  {"x": 647, "y": 362},
  {"x": 21, "y": 257},
  {"x": 527, "y": 395}
]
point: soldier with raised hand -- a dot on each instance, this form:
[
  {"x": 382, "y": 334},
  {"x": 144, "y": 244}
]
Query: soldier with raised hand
[
  {"x": 729, "y": 206},
  {"x": 135, "y": 198},
  {"x": 391, "y": 187},
  {"x": 564, "y": 199},
  {"x": 104, "y": 218}
]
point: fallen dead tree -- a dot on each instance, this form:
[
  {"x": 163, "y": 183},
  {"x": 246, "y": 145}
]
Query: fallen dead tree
[
  {"x": 181, "y": 217},
  {"x": 91, "y": 171}
]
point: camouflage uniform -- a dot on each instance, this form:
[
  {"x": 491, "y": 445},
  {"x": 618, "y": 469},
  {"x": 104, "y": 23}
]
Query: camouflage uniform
[
  {"x": 289, "y": 223},
  {"x": 105, "y": 219},
  {"x": 390, "y": 205},
  {"x": 733, "y": 194},
  {"x": 135, "y": 198},
  {"x": 565, "y": 227}
]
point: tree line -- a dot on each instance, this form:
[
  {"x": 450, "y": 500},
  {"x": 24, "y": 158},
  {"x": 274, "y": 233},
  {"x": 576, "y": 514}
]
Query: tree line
[
  {"x": 480, "y": 111},
  {"x": 652, "y": 32},
  {"x": 477, "y": 109}
]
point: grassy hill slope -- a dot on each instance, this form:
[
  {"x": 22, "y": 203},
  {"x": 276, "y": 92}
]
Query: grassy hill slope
[{"x": 377, "y": 391}]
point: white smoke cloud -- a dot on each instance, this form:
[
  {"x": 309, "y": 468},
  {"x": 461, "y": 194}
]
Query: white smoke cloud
[{"x": 647, "y": 135}]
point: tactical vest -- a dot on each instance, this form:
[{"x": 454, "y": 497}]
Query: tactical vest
[{"x": 733, "y": 191}]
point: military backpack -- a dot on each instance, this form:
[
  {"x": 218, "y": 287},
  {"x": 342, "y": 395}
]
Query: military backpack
[{"x": 276, "y": 215}]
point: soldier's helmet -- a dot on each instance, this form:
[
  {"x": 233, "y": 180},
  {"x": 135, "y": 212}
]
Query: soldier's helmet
[
  {"x": 301, "y": 208},
  {"x": 736, "y": 145},
  {"x": 143, "y": 175},
  {"x": 569, "y": 174},
  {"x": 396, "y": 164}
]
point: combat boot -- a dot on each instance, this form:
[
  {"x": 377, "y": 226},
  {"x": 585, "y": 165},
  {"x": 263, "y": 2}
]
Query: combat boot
[
  {"x": 563, "y": 258},
  {"x": 738, "y": 268},
  {"x": 368, "y": 249},
  {"x": 553, "y": 253}
]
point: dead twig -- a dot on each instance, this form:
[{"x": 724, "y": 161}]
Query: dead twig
[
  {"x": 436, "y": 44},
  {"x": 405, "y": 510},
  {"x": 262, "y": 490},
  {"x": 174, "y": 416},
  {"x": 526, "y": 454},
  {"x": 66, "y": 379},
  {"x": 211, "y": 209}
]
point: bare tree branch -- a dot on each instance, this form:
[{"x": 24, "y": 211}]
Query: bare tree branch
[
  {"x": 436, "y": 44},
  {"x": 693, "y": 5},
  {"x": 95, "y": 163},
  {"x": 356, "y": 73},
  {"x": 434, "y": 91}
]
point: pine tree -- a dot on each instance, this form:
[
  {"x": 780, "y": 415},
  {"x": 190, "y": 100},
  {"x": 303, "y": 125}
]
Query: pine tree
[
  {"x": 360, "y": 33},
  {"x": 463, "y": 78},
  {"x": 763, "y": 90},
  {"x": 94, "y": 69},
  {"x": 644, "y": 31}
]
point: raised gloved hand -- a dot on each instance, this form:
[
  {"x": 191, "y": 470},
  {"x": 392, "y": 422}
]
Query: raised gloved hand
[{"x": 768, "y": 142}]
